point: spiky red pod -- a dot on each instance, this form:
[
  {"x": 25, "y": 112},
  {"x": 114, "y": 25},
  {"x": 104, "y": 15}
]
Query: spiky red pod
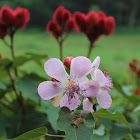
[
  {"x": 58, "y": 32},
  {"x": 101, "y": 14},
  {"x": 61, "y": 15},
  {"x": 7, "y": 15},
  {"x": 80, "y": 20},
  {"x": 67, "y": 61},
  {"x": 22, "y": 16},
  {"x": 109, "y": 25},
  {"x": 137, "y": 92},
  {"x": 70, "y": 24},
  {"x": 52, "y": 26},
  {"x": 138, "y": 73},
  {"x": 133, "y": 67},
  {"x": 92, "y": 20}
]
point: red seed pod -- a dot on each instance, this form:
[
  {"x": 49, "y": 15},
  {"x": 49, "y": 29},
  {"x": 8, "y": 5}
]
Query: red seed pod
[
  {"x": 58, "y": 32},
  {"x": 133, "y": 67},
  {"x": 52, "y": 26},
  {"x": 0, "y": 56},
  {"x": 138, "y": 73},
  {"x": 92, "y": 20},
  {"x": 7, "y": 16},
  {"x": 137, "y": 92},
  {"x": 54, "y": 80},
  {"x": 101, "y": 14},
  {"x": 58, "y": 15},
  {"x": 109, "y": 25},
  {"x": 70, "y": 24},
  {"x": 80, "y": 21},
  {"x": 101, "y": 25},
  {"x": 3, "y": 30},
  {"x": 67, "y": 61},
  {"x": 22, "y": 16},
  {"x": 61, "y": 15}
]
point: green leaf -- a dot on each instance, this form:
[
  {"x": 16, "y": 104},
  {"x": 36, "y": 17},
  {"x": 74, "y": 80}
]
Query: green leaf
[
  {"x": 99, "y": 131},
  {"x": 2, "y": 86},
  {"x": 83, "y": 132},
  {"x": 3, "y": 123},
  {"x": 20, "y": 60},
  {"x": 35, "y": 134},
  {"x": 118, "y": 131},
  {"x": 19, "y": 124},
  {"x": 5, "y": 62},
  {"x": 134, "y": 99},
  {"x": 105, "y": 137},
  {"x": 116, "y": 116},
  {"x": 28, "y": 87},
  {"x": 52, "y": 113}
]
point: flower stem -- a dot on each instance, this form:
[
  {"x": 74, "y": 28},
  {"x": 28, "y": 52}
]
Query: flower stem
[
  {"x": 61, "y": 50},
  {"x": 90, "y": 49},
  {"x": 61, "y": 136},
  {"x": 4, "y": 41}
]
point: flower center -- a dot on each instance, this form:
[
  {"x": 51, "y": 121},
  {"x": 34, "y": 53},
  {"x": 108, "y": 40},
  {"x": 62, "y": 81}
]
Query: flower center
[{"x": 72, "y": 87}]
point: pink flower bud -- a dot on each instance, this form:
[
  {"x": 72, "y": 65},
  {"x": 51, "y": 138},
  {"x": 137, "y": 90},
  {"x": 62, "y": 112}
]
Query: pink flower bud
[
  {"x": 137, "y": 92},
  {"x": 67, "y": 61},
  {"x": 0, "y": 56}
]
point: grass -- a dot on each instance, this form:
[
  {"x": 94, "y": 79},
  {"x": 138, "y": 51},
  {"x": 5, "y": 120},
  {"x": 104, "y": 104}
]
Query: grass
[{"x": 115, "y": 51}]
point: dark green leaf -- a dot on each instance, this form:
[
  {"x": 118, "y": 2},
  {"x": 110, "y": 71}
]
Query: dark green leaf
[
  {"x": 35, "y": 134},
  {"x": 5, "y": 62},
  {"x": 52, "y": 113},
  {"x": 28, "y": 87},
  {"x": 105, "y": 137},
  {"x": 118, "y": 131},
  {"x": 67, "y": 118},
  {"x": 2, "y": 86},
  {"x": 116, "y": 116}
]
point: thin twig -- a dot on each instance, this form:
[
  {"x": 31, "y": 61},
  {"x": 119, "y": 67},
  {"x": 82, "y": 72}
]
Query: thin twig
[
  {"x": 90, "y": 49},
  {"x": 61, "y": 136},
  {"x": 4, "y": 41}
]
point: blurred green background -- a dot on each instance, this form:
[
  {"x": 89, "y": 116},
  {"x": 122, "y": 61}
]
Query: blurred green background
[{"x": 115, "y": 51}]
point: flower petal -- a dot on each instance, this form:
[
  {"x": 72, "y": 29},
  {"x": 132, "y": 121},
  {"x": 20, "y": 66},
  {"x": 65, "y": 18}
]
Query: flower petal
[
  {"x": 80, "y": 67},
  {"x": 55, "y": 68},
  {"x": 95, "y": 64},
  {"x": 89, "y": 89},
  {"x": 87, "y": 105},
  {"x": 48, "y": 89},
  {"x": 104, "y": 99},
  {"x": 56, "y": 100},
  {"x": 71, "y": 103},
  {"x": 99, "y": 77}
]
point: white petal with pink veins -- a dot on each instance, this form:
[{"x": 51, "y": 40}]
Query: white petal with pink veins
[
  {"x": 80, "y": 67},
  {"x": 55, "y": 68},
  {"x": 72, "y": 103},
  {"x": 104, "y": 99},
  {"x": 87, "y": 105},
  {"x": 48, "y": 89}
]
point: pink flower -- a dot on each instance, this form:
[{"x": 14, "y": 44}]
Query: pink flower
[
  {"x": 73, "y": 85},
  {"x": 105, "y": 84}
]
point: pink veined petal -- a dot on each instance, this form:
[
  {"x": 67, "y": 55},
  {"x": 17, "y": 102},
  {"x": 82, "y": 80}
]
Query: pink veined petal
[
  {"x": 48, "y": 89},
  {"x": 87, "y": 105},
  {"x": 80, "y": 67},
  {"x": 71, "y": 103},
  {"x": 104, "y": 99},
  {"x": 99, "y": 77},
  {"x": 55, "y": 68},
  {"x": 95, "y": 64},
  {"x": 89, "y": 89}
]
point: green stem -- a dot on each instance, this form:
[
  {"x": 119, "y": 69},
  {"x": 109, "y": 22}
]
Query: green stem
[
  {"x": 90, "y": 49},
  {"x": 61, "y": 50},
  {"x": 61, "y": 136},
  {"x": 4, "y": 41}
]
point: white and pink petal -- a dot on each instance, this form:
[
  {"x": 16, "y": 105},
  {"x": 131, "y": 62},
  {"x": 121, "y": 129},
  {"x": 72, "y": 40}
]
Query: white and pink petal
[
  {"x": 48, "y": 89},
  {"x": 55, "y": 68},
  {"x": 104, "y": 99},
  {"x": 87, "y": 105},
  {"x": 71, "y": 103}
]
